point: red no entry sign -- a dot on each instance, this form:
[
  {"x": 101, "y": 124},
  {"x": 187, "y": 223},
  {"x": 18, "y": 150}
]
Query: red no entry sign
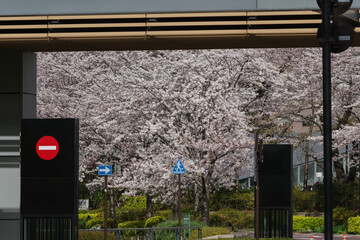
[{"x": 47, "y": 148}]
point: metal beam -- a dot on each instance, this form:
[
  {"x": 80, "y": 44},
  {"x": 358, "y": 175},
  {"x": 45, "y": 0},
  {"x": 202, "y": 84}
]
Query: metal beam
[{"x": 66, "y": 7}]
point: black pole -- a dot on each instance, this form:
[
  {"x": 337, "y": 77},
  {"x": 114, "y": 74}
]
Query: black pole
[
  {"x": 327, "y": 118},
  {"x": 256, "y": 186},
  {"x": 179, "y": 202},
  {"x": 105, "y": 210}
]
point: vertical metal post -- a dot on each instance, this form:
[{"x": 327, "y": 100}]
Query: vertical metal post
[
  {"x": 179, "y": 200},
  {"x": 105, "y": 210},
  {"x": 327, "y": 118},
  {"x": 257, "y": 205}
]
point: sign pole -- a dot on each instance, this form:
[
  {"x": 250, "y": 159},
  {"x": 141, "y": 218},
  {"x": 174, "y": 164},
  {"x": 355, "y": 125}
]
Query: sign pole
[
  {"x": 256, "y": 187},
  {"x": 179, "y": 169},
  {"x": 326, "y": 17},
  {"x": 105, "y": 210},
  {"x": 179, "y": 200}
]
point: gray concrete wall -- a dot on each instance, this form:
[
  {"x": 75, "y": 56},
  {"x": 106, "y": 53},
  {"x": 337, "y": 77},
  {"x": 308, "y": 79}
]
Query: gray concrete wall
[
  {"x": 17, "y": 100},
  {"x": 52, "y": 7}
]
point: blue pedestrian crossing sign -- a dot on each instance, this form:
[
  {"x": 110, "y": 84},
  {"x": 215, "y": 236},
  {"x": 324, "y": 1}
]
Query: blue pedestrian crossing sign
[
  {"x": 104, "y": 170},
  {"x": 179, "y": 168}
]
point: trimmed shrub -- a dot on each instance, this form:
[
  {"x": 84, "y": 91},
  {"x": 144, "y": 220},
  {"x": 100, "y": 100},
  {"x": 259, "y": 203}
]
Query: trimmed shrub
[
  {"x": 133, "y": 209},
  {"x": 307, "y": 223},
  {"x": 170, "y": 234},
  {"x": 154, "y": 221},
  {"x": 354, "y": 225},
  {"x": 340, "y": 229},
  {"x": 83, "y": 216},
  {"x": 133, "y": 202},
  {"x": 210, "y": 231},
  {"x": 303, "y": 201},
  {"x": 99, "y": 235},
  {"x": 239, "y": 219},
  {"x": 243, "y": 200},
  {"x": 341, "y": 216},
  {"x": 132, "y": 224},
  {"x": 130, "y": 214},
  {"x": 94, "y": 222},
  {"x": 167, "y": 214}
]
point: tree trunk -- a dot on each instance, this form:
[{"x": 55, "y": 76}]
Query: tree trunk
[
  {"x": 237, "y": 176},
  {"x": 339, "y": 167},
  {"x": 149, "y": 206},
  {"x": 206, "y": 202},
  {"x": 112, "y": 204},
  {"x": 175, "y": 210},
  {"x": 306, "y": 166},
  {"x": 354, "y": 161},
  {"x": 196, "y": 201}
]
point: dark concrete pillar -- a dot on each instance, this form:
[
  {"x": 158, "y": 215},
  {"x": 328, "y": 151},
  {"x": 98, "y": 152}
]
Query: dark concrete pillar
[{"x": 17, "y": 101}]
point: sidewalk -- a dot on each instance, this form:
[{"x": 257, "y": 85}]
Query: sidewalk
[{"x": 296, "y": 236}]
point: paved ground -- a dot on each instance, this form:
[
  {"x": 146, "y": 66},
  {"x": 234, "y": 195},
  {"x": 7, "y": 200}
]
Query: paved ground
[
  {"x": 301, "y": 236},
  {"x": 298, "y": 236}
]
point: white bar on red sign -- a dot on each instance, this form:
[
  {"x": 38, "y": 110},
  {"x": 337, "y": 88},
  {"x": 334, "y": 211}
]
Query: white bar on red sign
[{"x": 47, "y": 147}]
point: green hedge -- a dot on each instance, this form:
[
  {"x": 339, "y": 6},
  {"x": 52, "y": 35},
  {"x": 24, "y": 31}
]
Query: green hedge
[
  {"x": 132, "y": 224},
  {"x": 210, "y": 231},
  {"x": 307, "y": 223},
  {"x": 243, "y": 200},
  {"x": 154, "y": 221},
  {"x": 94, "y": 222},
  {"x": 303, "y": 201},
  {"x": 239, "y": 219},
  {"x": 99, "y": 235},
  {"x": 83, "y": 216},
  {"x": 170, "y": 234},
  {"x": 354, "y": 225},
  {"x": 341, "y": 216}
]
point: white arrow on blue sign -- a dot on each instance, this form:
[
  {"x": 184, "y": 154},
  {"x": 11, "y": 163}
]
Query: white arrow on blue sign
[
  {"x": 179, "y": 168},
  {"x": 104, "y": 170}
]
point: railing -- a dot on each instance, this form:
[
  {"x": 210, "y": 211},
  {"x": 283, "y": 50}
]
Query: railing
[{"x": 136, "y": 233}]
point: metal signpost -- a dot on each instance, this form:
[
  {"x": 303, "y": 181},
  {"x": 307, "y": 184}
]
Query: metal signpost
[
  {"x": 335, "y": 35},
  {"x": 187, "y": 224},
  {"x": 179, "y": 169},
  {"x": 258, "y": 159},
  {"x": 105, "y": 171}
]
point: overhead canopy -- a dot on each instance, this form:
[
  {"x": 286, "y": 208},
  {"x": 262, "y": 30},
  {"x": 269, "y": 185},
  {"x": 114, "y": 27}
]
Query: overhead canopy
[
  {"x": 68, "y": 7},
  {"x": 265, "y": 29}
]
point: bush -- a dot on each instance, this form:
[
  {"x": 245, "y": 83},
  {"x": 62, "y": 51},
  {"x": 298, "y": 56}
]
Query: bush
[
  {"x": 243, "y": 200},
  {"x": 133, "y": 209},
  {"x": 303, "y": 201},
  {"x": 130, "y": 202},
  {"x": 94, "y": 222},
  {"x": 132, "y": 224},
  {"x": 239, "y": 219},
  {"x": 99, "y": 235},
  {"x": 340, "y": 229},
  {"x": 307, "y": 223},
  {"x": 341, "y": 216},
  {"x": 319, "y": 229},
  {"x": 344, "y": 195},
  {"x": 210, "y": 231},
  {"x": 167, "y": 214},
  {"x": 85, "y": 217},
  {"x": 354, "y": 225},
  {"x": 154, "y": 221},
  {"x": 170, "y": 234}
]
